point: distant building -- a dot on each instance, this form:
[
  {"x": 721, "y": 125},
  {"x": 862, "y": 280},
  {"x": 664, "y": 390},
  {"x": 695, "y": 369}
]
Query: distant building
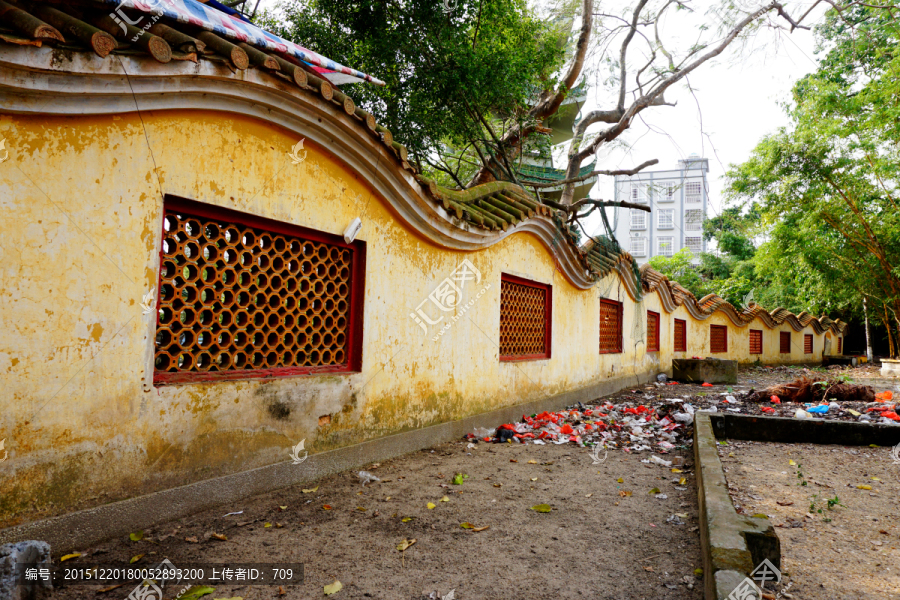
[{"x": 678, "y": 199}]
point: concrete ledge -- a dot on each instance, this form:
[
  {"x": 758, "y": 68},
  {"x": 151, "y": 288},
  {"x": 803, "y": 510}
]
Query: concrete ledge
[
  {"x": 709, "y": 370},
  {"x": 732, "y": 544},
  {"x": 83, "y": 528},
  {"x": 803, "y": 431},
  {"x": 890, "y": 367}
]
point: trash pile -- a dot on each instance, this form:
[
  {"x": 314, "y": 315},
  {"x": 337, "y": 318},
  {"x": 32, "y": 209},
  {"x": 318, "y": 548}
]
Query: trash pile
[
  {"x": 833, "y": 399},
  {"x": 630, "y": 426}
]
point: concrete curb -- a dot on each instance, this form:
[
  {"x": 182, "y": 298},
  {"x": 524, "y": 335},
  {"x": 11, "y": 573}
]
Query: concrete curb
[
  {"x": 803, "y": 431},
  {"x": 81, "y": 529},
  {"x": 732, "y": 544}
]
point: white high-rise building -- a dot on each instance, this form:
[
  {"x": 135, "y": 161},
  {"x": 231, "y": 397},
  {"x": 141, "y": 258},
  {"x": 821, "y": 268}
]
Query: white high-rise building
[{"x": 677, "y": 198}]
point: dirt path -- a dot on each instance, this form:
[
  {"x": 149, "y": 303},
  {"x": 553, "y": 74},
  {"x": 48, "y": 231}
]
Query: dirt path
[{"x": 596, "y": 542}]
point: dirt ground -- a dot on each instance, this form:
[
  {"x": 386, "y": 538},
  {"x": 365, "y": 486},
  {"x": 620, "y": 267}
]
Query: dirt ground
[
  {"x": 595, "y": 543},
  {"x": 603, "y": 539},
  {"x": 846, "y": 552}
]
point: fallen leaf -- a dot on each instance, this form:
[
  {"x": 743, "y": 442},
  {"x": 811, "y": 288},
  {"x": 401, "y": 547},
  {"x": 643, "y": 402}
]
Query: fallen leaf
[
  {"x": 69, "y": 556},
  {"x": 283, "y": 507},
  {"x": 541, "y": 508},
  {"x": 281, "y": 590},
  {"x": 698, "y": 572},
  {"x": 310, "y": 491},
  {"x": 513, "y": 460},
  {"x": 682, "y": 481},
  {"x": 334, "y": 588},
  {"x": 619, "y": 480},
  {"x": 534, "y": 478},
  {"x": 467, "y": 525},
  {"x": 458, "y": 479},
  {"x": 362, "y": 508},
  {"x": 326, "y": 507},
  {"x": 430, "y": 505},
  {"x": 445, "y": 499},
  {"x": 624, "y": 493},
  {"x": 589, "y": 495},
  {"x": 677, "y": 471},
  {"x": 761, "y": 516},
  {"x": 402, "y": 546},
  {"x": 654, "y": 491},
  {"x": 786, "y": 503},
  {"x": 498, "y": 485},
  {"x": 648, "y": 569},
  {"x": 192, "y": 540},
  {"x": 196, "y": 592},
  {"x": 864, "y": 487},
  {"x": 136, "y": 536},
  {"x": 532, "y": 462},
  {"x": 219, "y": 536},
  {"x": 134, "y": 559},
  {"x": 791, "y": 462},
  {"x": 267, "y": 525},
  {"x": 406, "y": 519},
  {"x": 476, "y": 529},
  {"x": 875, "y": 479}
]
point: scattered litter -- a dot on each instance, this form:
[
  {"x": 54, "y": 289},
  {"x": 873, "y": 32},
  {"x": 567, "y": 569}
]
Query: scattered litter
[
  {"x": 802, "y": 414},
  {"x": 240, "y": 512},
  {"x": 675, "y": 520},
  {"x": 661, "y": 462},
  {"x": 366, "y": 477}
]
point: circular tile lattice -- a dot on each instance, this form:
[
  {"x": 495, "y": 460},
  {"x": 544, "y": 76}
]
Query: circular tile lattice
[
  {"x": 234, "y": 298},
  {"x": 522, "y": 327}
]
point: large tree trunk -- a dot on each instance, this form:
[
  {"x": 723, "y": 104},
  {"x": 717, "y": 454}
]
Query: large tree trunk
[{"x": 870, "y": 357}]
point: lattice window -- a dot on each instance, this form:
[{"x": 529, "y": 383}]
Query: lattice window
[
  {"x": 756, "y": 341},
  {"x": 718, "y": 339},
  {"x": 241, "y": 296},
  {"x": 638, "y": 219},
  {"x": 610, "y": 326},
  {"x": 693, "y": 220},
  {"x": 680, "y": 335},
  {"x": 525, "y": 310},
  {"x": 665, "y": 245},
  {"x": 652, "y": 331},
  {"x": 694, "y": 244},
  {"x": 693, "y": 192},
  {"x": 840, "y": 348},
  {"x": 639, "y": 246},
  {"x": 807, "y": 344},
  {"x": 784, "y": 342},
  {"x": 666, "y": 218}
]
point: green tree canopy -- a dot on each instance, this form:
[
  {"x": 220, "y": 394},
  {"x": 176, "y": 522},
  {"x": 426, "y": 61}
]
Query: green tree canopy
[{"x": 827, "y": 186}]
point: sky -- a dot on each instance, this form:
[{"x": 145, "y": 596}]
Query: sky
[{"x": 736, "y": 100}]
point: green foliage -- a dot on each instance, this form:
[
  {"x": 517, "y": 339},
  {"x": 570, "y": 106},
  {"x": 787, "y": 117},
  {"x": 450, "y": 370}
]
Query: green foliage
[
  {"x": 444, "y": 71},
  {"x": 826, "y": 188}
]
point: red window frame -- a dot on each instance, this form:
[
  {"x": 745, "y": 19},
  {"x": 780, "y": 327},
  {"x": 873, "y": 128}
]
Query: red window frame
[
  {"x": 607, "y": 305},
  {"x": 807, "y": 343},
  {"x": 714, "y": 343},
  {"x": 680, "y": 335},
  {"x": 839, "y": 345},
  {"x": 353, "y": 363},
  {"x": 548, "y": 318},
  {"x": 756, "y": 341},
  {"x": 784, "y": 342},
  {"x": 652, "y": 331}
]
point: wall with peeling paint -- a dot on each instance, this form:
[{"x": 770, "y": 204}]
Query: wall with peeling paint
[{"x": 82, "y": 201}]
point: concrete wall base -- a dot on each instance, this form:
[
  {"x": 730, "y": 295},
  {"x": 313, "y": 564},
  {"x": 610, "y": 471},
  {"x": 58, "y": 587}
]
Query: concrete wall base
[{"x": 81, "y": 529}]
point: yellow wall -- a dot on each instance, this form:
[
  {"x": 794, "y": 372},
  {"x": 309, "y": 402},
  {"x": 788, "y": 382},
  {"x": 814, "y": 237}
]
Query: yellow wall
[{"x": 82, "y": 209}]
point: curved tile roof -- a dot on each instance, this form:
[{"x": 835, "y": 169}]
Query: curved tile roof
[{"x": 674, "y": 295}]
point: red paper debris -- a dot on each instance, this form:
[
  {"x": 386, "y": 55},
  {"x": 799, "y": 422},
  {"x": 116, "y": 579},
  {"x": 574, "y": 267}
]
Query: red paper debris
[
  {"x": 775, "y": 399},
  {"x": 704, "y": 384}
]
